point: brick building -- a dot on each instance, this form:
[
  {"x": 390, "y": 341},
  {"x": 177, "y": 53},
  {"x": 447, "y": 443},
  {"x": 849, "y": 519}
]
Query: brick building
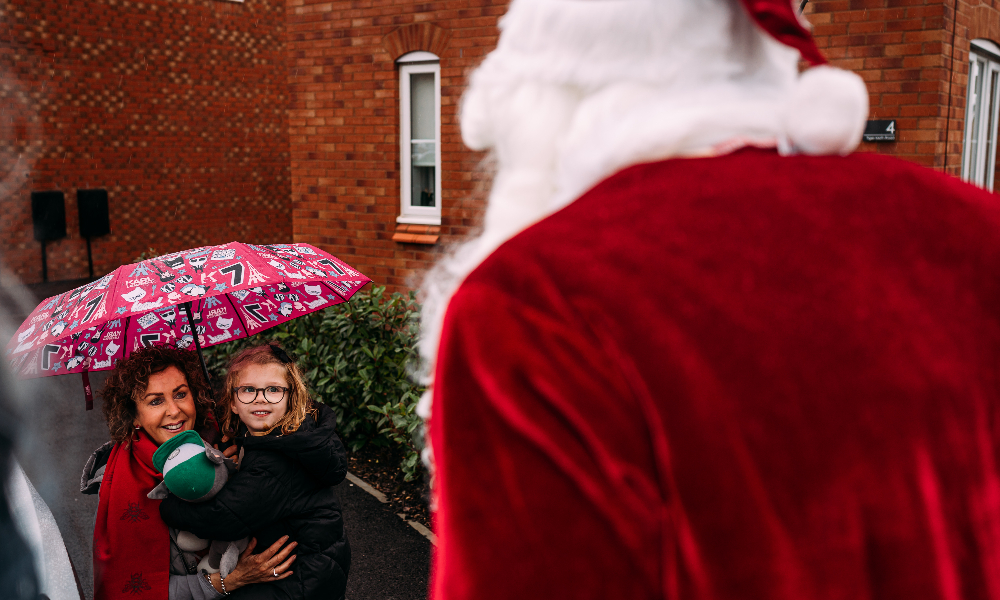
[
  {"x": 350, "y": 59},
  {"x": 352, "y": 65},
  {"x": 177, "y": 108},
  {"x": 916, "y": 56},
  {"x": 266, "y": 119}
]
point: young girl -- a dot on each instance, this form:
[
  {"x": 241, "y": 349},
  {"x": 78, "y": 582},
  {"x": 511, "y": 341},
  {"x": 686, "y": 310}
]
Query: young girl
[{"x": 289, "y": 460}]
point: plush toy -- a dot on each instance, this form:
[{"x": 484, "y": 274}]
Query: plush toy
[{"x": 194, "y": 471}]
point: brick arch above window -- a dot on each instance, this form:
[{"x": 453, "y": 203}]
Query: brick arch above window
[
  {"x": 985, "y": 24},
  {"x": 418, "y": 36}
]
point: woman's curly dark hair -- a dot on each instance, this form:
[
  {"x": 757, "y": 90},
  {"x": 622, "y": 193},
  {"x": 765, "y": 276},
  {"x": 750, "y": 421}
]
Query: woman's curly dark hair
[{"x": 130, "y": 378}]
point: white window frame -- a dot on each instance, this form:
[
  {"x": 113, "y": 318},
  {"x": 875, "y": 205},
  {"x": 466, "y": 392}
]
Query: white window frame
[
  {"x": 418, "y": 62},
  {"x": 978, "y": 167}
]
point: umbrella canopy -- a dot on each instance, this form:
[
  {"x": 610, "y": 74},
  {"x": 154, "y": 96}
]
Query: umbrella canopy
[{"x": 230, "y": 292}]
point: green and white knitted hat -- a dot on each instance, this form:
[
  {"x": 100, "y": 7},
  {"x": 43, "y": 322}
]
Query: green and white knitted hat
[{"x": 192, "y": 470}]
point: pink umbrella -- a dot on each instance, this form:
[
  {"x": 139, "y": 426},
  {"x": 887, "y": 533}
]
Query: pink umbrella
[{"x": 226, "y": 292}]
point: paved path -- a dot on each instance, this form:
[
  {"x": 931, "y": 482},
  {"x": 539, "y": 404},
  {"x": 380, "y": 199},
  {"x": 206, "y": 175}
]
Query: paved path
[{"x": 390, "y": 559}]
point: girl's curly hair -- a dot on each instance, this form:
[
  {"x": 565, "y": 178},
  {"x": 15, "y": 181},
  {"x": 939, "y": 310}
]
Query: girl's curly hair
[
  {"x": 299, "y": 402},
  {"x": 130, "y": 378}
]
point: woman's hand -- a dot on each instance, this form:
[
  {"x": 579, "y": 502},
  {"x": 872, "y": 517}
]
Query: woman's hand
[{"x": 269, "y": 565}]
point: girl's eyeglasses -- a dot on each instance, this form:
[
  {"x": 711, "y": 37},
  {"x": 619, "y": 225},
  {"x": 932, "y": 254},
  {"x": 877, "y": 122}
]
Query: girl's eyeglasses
[{"x": 247, "y": 394}]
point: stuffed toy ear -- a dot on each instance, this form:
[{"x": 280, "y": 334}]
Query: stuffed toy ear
[
  {"x": 223, "y": 468},
  {"x": 214, "y": 455},
  {"x": 232, "y": 556},
  {"x": 217, "y": 457},
  {"x": 160, "y": 492},
  {"x": 227, "y": 559}
]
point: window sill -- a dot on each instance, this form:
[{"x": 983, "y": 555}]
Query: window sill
[
  {"x": 416, "y": 234},
  {"x": 419, "y": 220}
]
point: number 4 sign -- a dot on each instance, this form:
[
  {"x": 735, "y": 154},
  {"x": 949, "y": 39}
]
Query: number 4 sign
[{"x": 880, "y": 131}]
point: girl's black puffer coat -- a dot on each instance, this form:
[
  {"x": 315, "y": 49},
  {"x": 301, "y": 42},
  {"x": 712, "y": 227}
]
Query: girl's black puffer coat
[{"x": 284, "y": 486}]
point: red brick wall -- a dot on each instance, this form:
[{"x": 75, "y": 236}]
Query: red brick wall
[
  {"x": 914, "y": 57},
  {"x": 899, "y": 48},
  {"x": 177, "y": 108},
  {"x": 344, "y": 115},
  {"x": 344, "y": 122}
]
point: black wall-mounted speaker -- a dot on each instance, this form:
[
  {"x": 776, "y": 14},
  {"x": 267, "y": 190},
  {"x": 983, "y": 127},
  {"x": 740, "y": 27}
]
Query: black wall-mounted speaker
[
  {"x": 48, "y": 214},
  {"x": 93, "y": 208}
]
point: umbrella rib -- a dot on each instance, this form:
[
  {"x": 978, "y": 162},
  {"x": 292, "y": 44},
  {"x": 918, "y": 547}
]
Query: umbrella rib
[
  {"x": 116, "y": 280},
  {"x": 100, "y": 330},
  {"x": 331, "y": 288},
  {"x": 238, "y": 315},
  {"x": 128, "y": 320}
]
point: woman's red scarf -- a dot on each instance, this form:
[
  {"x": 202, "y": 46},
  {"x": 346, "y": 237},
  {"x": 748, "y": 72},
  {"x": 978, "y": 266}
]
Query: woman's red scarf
[{"x": 131, "y": 542}]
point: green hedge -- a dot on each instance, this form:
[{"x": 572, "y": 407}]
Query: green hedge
[{"x": 356, "y": 356}]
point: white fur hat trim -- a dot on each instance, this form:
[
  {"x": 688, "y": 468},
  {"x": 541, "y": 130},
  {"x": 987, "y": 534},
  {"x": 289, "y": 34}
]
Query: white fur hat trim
[{"x": 826, "y": 112}]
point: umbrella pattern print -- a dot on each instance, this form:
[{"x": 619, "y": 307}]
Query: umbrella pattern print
[{"x": 234, "y": 290}]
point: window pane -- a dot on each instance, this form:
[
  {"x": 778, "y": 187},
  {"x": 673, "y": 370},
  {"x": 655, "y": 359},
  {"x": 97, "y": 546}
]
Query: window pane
[
  {"x": 422, "y": 159},
  {"x": 422, "y": 186},
  {"x": 422, "y": 154},
  {"x": 975, "y": 108},
  {"x": 990, "y": 103},
  {"x": 422, "y": 106}
]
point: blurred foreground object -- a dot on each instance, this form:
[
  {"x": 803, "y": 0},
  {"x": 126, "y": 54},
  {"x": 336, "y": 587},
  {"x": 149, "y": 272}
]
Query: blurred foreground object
[
  {"x": 693, "y": 356},
  {"x": 17, "y": 566},
  {"x": 23, "y": 513},
  {"x": 35, "y": 522}
]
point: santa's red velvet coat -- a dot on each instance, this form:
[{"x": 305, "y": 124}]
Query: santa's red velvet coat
[{"x": 746, "y": 376}]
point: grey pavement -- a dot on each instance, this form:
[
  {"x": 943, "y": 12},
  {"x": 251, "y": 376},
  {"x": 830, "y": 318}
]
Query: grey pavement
[{"x": 390, "y": 559}]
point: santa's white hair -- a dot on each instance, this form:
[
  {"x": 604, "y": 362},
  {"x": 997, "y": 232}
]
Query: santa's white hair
[{"x": 577, "y": 90}]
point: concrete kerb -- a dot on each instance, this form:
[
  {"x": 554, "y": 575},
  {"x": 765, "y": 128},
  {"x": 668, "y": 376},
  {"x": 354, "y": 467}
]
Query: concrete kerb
[
  {"x": 419, "y": 527},
  {"x": 363, "y": 485}
]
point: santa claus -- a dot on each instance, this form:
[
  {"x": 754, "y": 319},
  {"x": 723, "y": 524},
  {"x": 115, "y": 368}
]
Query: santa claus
[{"x": 700, "y": 350}]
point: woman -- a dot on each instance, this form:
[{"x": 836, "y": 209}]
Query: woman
[
  {"x": 150, "y": 397},
  {"x": 290, "y": 460}
]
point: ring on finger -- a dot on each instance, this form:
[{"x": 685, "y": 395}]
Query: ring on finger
[{"x": 275, "y": 572}]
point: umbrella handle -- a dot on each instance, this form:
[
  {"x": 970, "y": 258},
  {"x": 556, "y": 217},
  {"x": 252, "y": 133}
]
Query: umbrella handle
[
  {"x": 197, "y": 346},
  {"x": 87, "y": 392}
]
